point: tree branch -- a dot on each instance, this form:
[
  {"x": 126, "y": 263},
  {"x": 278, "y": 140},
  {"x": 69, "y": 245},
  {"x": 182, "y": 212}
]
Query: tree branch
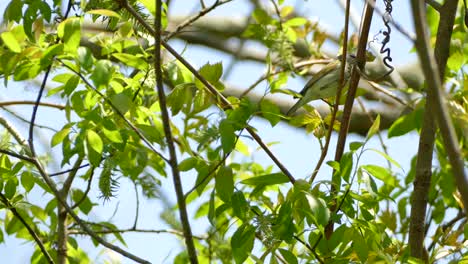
[
  {"x": 433, "y": 81},
  {"x": 422, "y": 180},
  {"x": 192, "y": 253}
]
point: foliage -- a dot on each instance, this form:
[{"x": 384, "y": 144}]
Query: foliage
[{"x": 112, "y": 132}]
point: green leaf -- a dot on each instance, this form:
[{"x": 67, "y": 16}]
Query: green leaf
[
  {"x": 180, "y": 96},
  {"x": 353, "y": 146},
  {"x": 374, "y": 128},
  {"x": 102, "y": 73},
  {"x": 268, "y": 179},
  {"x": 70, "y": 32},
  {"x": 288, "y": 256},
  {"x": 284, "y": 227},
  {"x": 104, "y": 12},
  {"x": 271, "y": 112},
  {"x": 319, "y": 209},
  {"x": 261, "y": 16},
  {"x": 95, "y": 146},
  {"x": 85, "y": 58},
  {"x": 211, "y": 209},
  {"x": 346, "y": 166},
  {"x": 240, "y": 206},
  {"x": 405, "y": 124},
  {"x": 112, "y": 135},
  {"x": 224, "y": 183},
  {"x": 242, "y": 242},
  {"x": 212, "y": 72},
  {"x": 59, "y": 136},
  {"x": 27, "y": 71},
  {"x": 50, "y": 53},
  {"x": 381, "y": 174},
  {"x": 228, "y": 137},
  {"x": 14, "y": 11},
  {"x": 149, "y": 4},
  {"x": 201, "y": 101},
  {"x": 296, "y": 22},
  {"x": 242, "y": 148},
  {"x": 394, "y": 162},
  {"x": 456, "y": 61},
  {"x": 10, "y": 41},
  {"x": 131, "y": 60},
  {"x": 86, "y": 205},
  {"x": 188, "y": 164},
  {"x": 27, "y": 180},
  {"x": 122, "y": 101},
  {"x": 10, "y": 188},
  {"x": 360, "y": 246}
]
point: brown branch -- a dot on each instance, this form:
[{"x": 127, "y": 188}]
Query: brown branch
[
  {"x": 18, "y": 156},
  {"x": 342, "y": 83},
  {"x": 312, "y": 250},
  {"x": 353, "y": 83},
  {"x": 225, "y": 104},
  {"x": 28, "y": 227},
  {"x": 191, "y": 251},
  {"x": 136, "y": 230},
  {"x": 433, "y": 82},
  {"x": 8, "y": 103},
  {"x": 423, "y": 175}
]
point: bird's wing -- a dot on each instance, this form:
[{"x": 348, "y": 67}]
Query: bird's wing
[{"x": 323, "y": 72}]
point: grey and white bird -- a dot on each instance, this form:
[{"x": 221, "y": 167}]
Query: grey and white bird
[{"x": 325, "y": 82}]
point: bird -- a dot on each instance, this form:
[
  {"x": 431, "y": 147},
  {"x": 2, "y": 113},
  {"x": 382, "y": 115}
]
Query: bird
[{"x": 325, "y": 82}]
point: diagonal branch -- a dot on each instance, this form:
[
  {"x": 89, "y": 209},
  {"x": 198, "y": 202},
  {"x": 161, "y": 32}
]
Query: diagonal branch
[{"x": 31, "y": 231}]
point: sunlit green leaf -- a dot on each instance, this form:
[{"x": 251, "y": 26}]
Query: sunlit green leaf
[
  {"x": 268, "y": 179},
  {"x": 381, "y": 174},
  {"x": 10, "y": 41},
  {"x": 224, "y": 183},
  {"x": 242, "y": 242},
  {"x": 104, "y": 12}
]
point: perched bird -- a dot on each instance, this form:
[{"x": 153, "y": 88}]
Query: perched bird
[{"x": 324, "y": 83}]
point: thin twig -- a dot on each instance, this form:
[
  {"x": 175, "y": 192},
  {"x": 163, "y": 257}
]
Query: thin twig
[
  {"x": 28, "y": 227},
  {"x": 18, "y": 156},
  {"x": 52, "y": 105},
  {"x": 88, "y": 188},
  {"x": 381, "y": 89},
  {"x": 35, "y": 108},
  {"x": 191, "y": 20},
  {"x": 137, "y": 207},
  {"x": 191, "y": 251},
  {"x": 27, "y": 120},
  {"x": 136, "y": 230},
  {"x": 309, "y": 248},
  {"x": 69, "y": 170}
]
